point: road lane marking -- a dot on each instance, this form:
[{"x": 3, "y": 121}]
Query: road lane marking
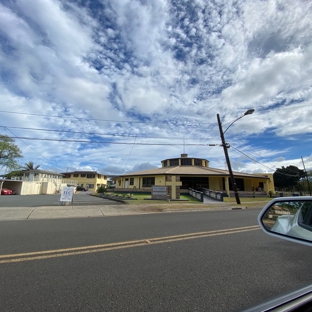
[{"x": 48, "y": 254}]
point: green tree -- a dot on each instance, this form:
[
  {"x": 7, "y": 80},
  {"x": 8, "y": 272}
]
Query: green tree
[
  {"x": 14, "y": 173},
  {"x": 31, "y": 166},
  {"x": 101, "y": 189},
  {"x": 288, "y": 177},
  {"x": 307, "y": 182},
  {"x": 9, "y": 153}
]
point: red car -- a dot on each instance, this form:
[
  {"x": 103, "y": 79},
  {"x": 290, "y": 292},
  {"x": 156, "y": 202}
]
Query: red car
[{"x": 6, "y": 191}]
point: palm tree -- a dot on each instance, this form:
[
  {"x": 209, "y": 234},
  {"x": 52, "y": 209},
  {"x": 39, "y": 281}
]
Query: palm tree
[{"x": 30, "y": 166}]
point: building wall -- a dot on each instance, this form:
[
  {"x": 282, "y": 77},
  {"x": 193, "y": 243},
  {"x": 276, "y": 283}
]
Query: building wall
[
  {"x": 91, "y": 183},
  {"x": 216, "y": 183},
  {"x": 250, "y": 184},
  {"x": 136, "y": 182},
  {"x": 38, "y": 184},
  {"x": 268, "y": 184},
  {"x": 41, "y": 187},
  {"x": 45, "y": 183},
  {"x": 31, "y": 188}
]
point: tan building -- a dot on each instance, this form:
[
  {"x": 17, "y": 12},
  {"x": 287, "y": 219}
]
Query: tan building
[
  {"x": 35, "y": 182},
  {"x": 181, "y": 174},
  {"x": 90, "y": 180}
]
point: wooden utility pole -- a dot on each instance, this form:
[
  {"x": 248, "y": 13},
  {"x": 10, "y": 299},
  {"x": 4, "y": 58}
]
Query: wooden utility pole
[
  {"x": 227, "y": 158},
  {"x": 306, "y": 174}
]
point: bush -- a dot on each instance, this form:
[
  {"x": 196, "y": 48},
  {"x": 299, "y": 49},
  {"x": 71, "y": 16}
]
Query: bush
[
  {"x": 271, "y": 192},
  {"x": 101, "y": 189}
]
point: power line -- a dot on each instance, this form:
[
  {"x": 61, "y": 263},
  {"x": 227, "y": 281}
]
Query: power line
[
  {"x": 133, "y": 143},
  {"x": 254, "y": 154},
  {"x": 107, "y": 142},
  {"x": 88, "y": 119},
  {"x": 262, "y": 157},
  {"x": 70, "y": 117},
  {"x": 254, "y": 160},
  {"x": 129, "y": 155},
  {"x": 28, "y": 145},
  {"x": 237, "y": 150},
  {"x": 31, "y": 147},
  {"x": 277, "y": 169},
  {"x": 97, "y": 133}
]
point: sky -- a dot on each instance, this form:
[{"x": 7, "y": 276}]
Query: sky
[{"x": 119, "y": 85}]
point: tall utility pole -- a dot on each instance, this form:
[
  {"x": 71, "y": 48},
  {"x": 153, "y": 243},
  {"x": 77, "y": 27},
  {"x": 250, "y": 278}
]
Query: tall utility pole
[
  {"x": 227, "y": 158},
  {"x": 225, "y": 148},
  {"x": 306, "y": 174}
]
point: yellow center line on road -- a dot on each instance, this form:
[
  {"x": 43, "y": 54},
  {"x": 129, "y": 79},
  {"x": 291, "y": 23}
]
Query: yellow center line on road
[{"x": 48, "y": 254}]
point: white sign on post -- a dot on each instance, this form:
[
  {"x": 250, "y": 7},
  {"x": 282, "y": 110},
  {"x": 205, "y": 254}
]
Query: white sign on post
[
  {"x": 67, "y": 194},
  {"x": 159, "y": 192}
]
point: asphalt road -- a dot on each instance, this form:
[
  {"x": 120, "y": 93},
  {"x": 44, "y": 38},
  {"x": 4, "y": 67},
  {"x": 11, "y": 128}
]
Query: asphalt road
[
  {"x": 156, "y": 262},
  {"x": 80, "y": 199}
]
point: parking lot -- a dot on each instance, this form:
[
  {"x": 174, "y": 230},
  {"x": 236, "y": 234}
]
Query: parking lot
[{"x": 80, "y": 199}]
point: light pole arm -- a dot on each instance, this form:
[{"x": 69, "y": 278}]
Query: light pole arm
[
  {"x": 248, "y": 112},
  {"x": 232, "y": 123},
  {"x": 227, "y": 158}
]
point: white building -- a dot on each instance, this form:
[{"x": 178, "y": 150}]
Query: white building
[{"x": 35, "y": 182}]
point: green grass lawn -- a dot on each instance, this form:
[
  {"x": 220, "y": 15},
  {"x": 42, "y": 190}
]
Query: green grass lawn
[
  {"x": 189, "y": 198},
  {"x": 139, "y": 199},
  {"x": 247, "y": 199}
]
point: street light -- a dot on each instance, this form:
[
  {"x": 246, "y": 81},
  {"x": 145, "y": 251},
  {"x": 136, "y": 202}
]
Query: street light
[{"x": 225, "y": 148}]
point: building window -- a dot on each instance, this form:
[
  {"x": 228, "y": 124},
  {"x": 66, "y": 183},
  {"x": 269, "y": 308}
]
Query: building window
[
  {"x": 90, "y": 176},
  {"x": 99, "y": 176},
  {"x": 197, "y": 183},
  {"x": 83, "y": 175},
  {"x": 131, "y": 181},
  {"x": 67, "y": 175},
  {"x": 119, "y": 182},
  {"x": 91, "y": 186},
  {"x": 186, "y": 162},
  {"x": 76, "y": 175},
  {"x": 148, "y": 182},
  {"x": 197, "y": 162},
  {"x": 174, "y": 162},
  {"x": 165, "y": 163}
]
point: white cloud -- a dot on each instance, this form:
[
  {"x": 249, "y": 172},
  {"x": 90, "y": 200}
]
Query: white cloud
[
  {"x": 144, "y": 166},
  {"x": 267, "y": 78},
  {"x": 70, "y": 38},
  {"x": 175, "y": 66}
]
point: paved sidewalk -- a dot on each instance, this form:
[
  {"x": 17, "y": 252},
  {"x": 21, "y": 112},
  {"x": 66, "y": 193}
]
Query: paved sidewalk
[{"x": 56, "y": 212}]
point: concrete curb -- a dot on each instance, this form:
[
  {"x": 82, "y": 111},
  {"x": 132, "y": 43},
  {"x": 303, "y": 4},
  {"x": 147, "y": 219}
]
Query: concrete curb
[
  {"x": 111, "y": 198},
  {"x": 60, "y": 212}
]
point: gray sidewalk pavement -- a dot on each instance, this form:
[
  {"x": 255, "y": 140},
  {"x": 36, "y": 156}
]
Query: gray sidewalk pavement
[{"x": 56, "y": 212}]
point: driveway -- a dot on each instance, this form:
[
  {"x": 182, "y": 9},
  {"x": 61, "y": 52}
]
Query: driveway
[{"x": 80, "y": 199}]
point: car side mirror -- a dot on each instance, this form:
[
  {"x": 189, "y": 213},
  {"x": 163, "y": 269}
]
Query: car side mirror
[{"x": 289, "y": 218}]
